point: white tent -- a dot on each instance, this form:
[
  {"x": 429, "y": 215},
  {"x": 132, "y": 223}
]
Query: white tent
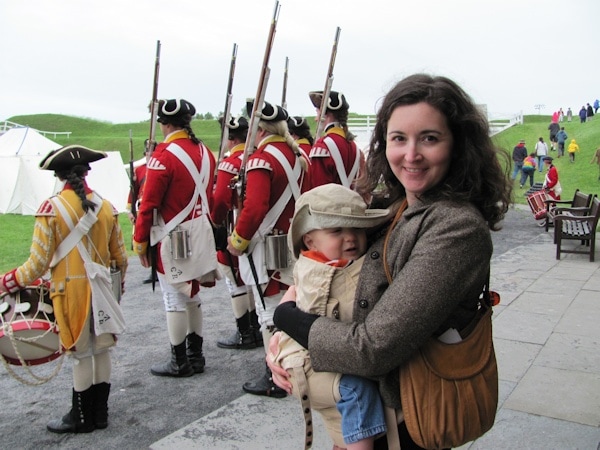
[{"x": 24, "y": 186}]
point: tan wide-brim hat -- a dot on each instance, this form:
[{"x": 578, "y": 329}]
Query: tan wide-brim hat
[
  {"x": 72, "y": 155},
  {"x": 331, "y": 206}
]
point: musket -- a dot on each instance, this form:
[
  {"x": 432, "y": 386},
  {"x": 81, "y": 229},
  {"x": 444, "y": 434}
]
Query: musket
[
  {"x": 154, "y": 102},
  {"x": 153, "y": 250},
  {"x": 327, "y": 90},
  {"x": 132, "y": 183},
  {"x": 285, "y": 80},
  {"x": 257, "y": 108},
  {"x": 227, "y": 109}
]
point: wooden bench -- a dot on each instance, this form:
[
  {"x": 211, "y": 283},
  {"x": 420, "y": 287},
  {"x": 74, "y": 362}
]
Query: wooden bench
[
  {"x": 568, "y": 226},
  {"x": 579, "y": 206}
]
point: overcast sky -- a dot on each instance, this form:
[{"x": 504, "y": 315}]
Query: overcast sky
[{"x": 95, "y": 59}]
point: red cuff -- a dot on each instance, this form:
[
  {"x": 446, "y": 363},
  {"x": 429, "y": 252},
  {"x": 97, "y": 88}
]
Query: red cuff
[{"x": 9, "y": 281}]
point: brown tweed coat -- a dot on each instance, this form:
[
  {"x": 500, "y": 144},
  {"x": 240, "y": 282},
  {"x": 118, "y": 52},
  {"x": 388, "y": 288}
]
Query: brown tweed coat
[{"x": 439, "y": 257}]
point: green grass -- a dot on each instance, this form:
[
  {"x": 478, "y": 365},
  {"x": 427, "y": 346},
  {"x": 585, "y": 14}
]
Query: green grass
[
  {"x": 15, "y": 238},
  {"x": 16, "y": 230},
  {"x": 579, "y": 175}
]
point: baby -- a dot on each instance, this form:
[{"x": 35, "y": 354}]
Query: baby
[{"x": 328, "y": 235}]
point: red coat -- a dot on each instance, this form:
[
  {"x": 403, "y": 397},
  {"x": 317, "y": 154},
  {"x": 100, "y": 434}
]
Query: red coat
[
  {"x": 265, "y": 182},
  {"x": 139, "y": 180},
  {"x": 169, "y": 187},
  {"x": 225, "y": 199},
  {"x": 323, "y": 169},
  {"x": 551, "y": 181}
]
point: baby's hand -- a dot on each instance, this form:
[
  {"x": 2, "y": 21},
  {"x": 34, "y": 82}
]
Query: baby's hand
[{"x": 289, "y": 296}]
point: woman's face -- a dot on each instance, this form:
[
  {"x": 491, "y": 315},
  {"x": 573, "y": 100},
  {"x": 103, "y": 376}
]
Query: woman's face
[{"x": 419, "y": 146}]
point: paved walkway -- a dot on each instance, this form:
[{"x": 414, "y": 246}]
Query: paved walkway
[{"x": 546, "y": 335}]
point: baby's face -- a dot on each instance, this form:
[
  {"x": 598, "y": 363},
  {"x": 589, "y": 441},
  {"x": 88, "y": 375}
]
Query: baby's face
[{"x": 337, "y": 243}]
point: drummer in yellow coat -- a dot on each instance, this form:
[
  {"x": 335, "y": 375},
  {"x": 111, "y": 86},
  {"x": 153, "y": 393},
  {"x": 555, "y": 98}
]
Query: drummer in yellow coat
[{"x": 70, "y": 288}]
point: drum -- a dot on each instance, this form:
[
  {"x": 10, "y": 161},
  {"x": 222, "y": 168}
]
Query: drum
[{"x": 28, "y": 333}]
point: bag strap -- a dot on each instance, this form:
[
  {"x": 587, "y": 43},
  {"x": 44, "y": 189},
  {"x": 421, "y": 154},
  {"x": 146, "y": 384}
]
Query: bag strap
[
  {"x": 397, "y": 217},
  {"x": 200, "y": 182},
  {"x": 77, "y": 231},
  {"x": 335, "y": 154}
]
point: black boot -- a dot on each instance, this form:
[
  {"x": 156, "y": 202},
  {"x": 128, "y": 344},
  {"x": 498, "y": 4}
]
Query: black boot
[
  {"x": 79, "y": 419},
  {"x": 243, "y": 338},
  {"x": 194, "y": 352},
  {"x": 264, "y": 386},
  {"x": 179, "y": 365},
  {"x": 100, "y": 393},
  {"x": 255, "y": 327}
]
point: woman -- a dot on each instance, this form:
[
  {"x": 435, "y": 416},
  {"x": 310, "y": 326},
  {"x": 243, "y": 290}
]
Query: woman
[
  {"x": 70, "y": 290},
  {"x": 431, "y": 149}
]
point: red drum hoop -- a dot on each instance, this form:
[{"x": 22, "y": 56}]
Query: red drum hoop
[{"x": 28, "y": 333}]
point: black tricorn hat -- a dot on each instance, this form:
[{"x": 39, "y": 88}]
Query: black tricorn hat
[
  {"x": 336, "y": 100},
  {"x": 176, "y": 111},
  {"x": 235, "y": 123},
  {"x": 269, "y": 113},
  {"x": 297, "y": 123},
  {"x": 72, "y": 155}
]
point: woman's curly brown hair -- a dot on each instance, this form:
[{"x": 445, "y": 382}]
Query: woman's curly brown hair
[{"x": 475, "y": 174}]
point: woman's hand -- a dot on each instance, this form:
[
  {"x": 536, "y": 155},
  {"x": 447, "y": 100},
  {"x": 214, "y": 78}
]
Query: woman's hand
[{"x": 280, "y": 375}]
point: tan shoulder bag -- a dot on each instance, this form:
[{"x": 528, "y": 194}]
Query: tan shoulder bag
[{"x": 449, "y": 392}]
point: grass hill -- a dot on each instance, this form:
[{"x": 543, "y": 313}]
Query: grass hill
[
  {"x": 109, "y": 137},
  {"x": 579, "y": 175}
]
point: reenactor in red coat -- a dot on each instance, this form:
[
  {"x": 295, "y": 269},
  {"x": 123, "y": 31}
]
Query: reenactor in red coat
[
  {"x": 224, "y": 211},
  {"x": 275, "y": 176},
  {"x": 334, "y": 157}
]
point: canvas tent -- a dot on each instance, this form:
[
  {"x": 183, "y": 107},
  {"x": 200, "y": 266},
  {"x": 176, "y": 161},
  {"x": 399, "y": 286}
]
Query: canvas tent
[{"x": 24, "y": 186}]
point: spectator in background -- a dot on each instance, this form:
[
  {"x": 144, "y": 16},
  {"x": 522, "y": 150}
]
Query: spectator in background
[
  {"x": 554, "y": 127},
  {"x": 528, "y": 170},
  {"x": 596, "y": 158},
  {"x": 561, "y": 138},
  {"x": 551, "y": 183},
  {"x": 541, "y": 151},
  {"x": 573, "y": 147},
  {"x": 582, "y": 114},
  {"x": 519, "y": 154},
  {"x": 590, "y": 113},
  {"x": 596, "y": 106},
  {"x": 569, "y": 115},
  {"x": 561, "y": 115}
]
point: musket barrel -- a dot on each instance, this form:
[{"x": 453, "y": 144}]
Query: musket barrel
[
  {"x": 154, "y": 102},
  {"x": 328, "y": 84},
  {"x": 227, "y": 108},
  {"x": 257, "y": 107},
  {"x": 285, "y": 80}
]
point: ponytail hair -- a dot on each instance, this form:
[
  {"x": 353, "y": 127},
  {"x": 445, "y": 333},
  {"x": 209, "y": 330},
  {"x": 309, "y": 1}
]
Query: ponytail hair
[
  {"x": 280, "y": 128},
  {"x": 75, "y": 176}
]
